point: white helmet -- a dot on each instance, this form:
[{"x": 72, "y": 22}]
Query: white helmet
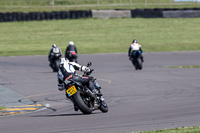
[
  {"x": 71, "y": 43},
  {"x": 54, "y": 45}
]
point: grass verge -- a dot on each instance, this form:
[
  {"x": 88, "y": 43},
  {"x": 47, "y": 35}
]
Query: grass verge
[
  {"x": 99, "y": 35},
  {"x": 2, "y": 108},
  {"x": 176, "y": 130},
  {"x": 63, "y": 5},
  {"x": 191, "y": 66}
]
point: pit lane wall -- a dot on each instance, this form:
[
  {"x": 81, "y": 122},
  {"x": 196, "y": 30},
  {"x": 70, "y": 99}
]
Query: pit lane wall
[{"x": 142, "y": 13}]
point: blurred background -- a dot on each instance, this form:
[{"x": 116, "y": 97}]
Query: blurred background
[{"x": 57, "y": 5}]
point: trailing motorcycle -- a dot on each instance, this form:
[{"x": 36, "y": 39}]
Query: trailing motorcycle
[
  {"x": 83, "y": 97},
  {"x": 136, "y": 59},
  {"x": 72, "y": 56},
  {"x": 55, "y": 58}
]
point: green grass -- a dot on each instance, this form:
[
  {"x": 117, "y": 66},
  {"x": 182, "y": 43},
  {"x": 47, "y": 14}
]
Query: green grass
[
  {"x": 33, "y": 5},
  {"x": 177, "y": 130},
  {"x": 99, "y": 35},
  {"x": 1, "y": 108},
  {"x": 191, "y": 66}
]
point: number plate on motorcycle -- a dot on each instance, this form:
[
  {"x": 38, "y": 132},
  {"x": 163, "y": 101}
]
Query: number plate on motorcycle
[{"x": 71, "y": 91}]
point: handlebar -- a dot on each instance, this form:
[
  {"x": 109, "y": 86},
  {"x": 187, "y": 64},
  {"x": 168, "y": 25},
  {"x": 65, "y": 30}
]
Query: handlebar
[{"x": 88, "y": 73}]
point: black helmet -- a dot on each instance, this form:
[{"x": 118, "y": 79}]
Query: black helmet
[{"x": 135, "y": 41}]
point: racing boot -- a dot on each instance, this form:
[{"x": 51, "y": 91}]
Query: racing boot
[
  {"x": 75, "y": 108},
  {"x": 61, "y": 87}
]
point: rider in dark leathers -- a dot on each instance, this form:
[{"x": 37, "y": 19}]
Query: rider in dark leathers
[{"x": 71, "y": 47}]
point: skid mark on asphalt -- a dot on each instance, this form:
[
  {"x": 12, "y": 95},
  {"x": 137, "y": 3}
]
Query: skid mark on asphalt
[
  {"x": 36, "y": 95},
  {"x": 105, "y": 80},
  {"x": 20, "y": 109}
]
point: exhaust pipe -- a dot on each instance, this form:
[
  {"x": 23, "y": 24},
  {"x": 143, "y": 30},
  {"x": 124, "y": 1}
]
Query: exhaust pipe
[{"x": 89, "y": 93}]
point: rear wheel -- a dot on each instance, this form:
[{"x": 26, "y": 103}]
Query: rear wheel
[
  {"x": 73, "y": 60},
  {"x": 83, "y": 104}
]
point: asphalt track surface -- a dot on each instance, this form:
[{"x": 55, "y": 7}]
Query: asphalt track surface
[{"x": 154, "y": 98}]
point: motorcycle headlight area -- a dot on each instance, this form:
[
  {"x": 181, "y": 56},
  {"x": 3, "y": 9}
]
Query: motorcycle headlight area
[{"x": 96, "y": 84}]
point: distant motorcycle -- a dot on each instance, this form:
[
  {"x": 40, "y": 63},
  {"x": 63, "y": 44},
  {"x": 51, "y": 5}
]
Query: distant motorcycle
[
  {"x": 82, "y": 96},
  {"x": 72, "y": 56},
  {"x": 136, "y": 59},
  {"x": 55, "y": 57}
]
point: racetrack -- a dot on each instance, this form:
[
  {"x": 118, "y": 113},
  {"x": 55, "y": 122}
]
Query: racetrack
[{"x": 154, "y": 98}]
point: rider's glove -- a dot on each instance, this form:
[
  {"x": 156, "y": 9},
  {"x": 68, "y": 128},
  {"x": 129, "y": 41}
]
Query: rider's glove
[
  {"x": 91, "y": 70},
  {"x": 85, "y": 69}
]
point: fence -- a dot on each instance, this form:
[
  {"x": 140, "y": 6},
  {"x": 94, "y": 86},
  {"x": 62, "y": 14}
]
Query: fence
[{"x": 94, "y": 3}]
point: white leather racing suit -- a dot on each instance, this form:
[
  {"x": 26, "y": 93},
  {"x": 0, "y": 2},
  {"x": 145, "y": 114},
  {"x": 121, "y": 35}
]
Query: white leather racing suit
[
  {"x": 54, "y": 50},
  {"x": 68, "y": 70},
  {"x": 133, "y": 47}
]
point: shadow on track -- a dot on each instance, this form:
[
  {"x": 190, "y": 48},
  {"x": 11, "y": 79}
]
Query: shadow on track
[{"x": 72, "y": 114}]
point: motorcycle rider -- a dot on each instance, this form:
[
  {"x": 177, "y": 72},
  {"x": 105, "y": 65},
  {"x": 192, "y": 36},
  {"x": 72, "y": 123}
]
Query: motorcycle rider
[
  {"x": 67, "y": 70},
  {"x": 135, "y": 46},
  {"x": 54, "y": 50},
  {"x": 70, "y": 48}
]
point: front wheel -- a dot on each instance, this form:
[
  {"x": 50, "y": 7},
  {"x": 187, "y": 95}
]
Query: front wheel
[
  {"x": 82, "y": 102},
  {"x": 134, "y": 64},
  {"x": 139, "y": 64},
  {"x": 103, "y": 107},
  {"x": 56, "y": 65}
]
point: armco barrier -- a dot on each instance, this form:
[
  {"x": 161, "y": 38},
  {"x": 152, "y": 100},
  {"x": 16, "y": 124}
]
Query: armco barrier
[{"x": 143, "y": 13}]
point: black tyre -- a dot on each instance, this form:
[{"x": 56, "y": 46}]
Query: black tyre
[
  {"x": 80, "y": 100},
  {"x": 104, "y": 107},
  {"x": 57, "y": 63},
  {"x": 74, "y": 60},
  {"x": 135, "y": 65},
  {"x": 55, "y": 66},
  {"x": 139, "y": 64}
]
